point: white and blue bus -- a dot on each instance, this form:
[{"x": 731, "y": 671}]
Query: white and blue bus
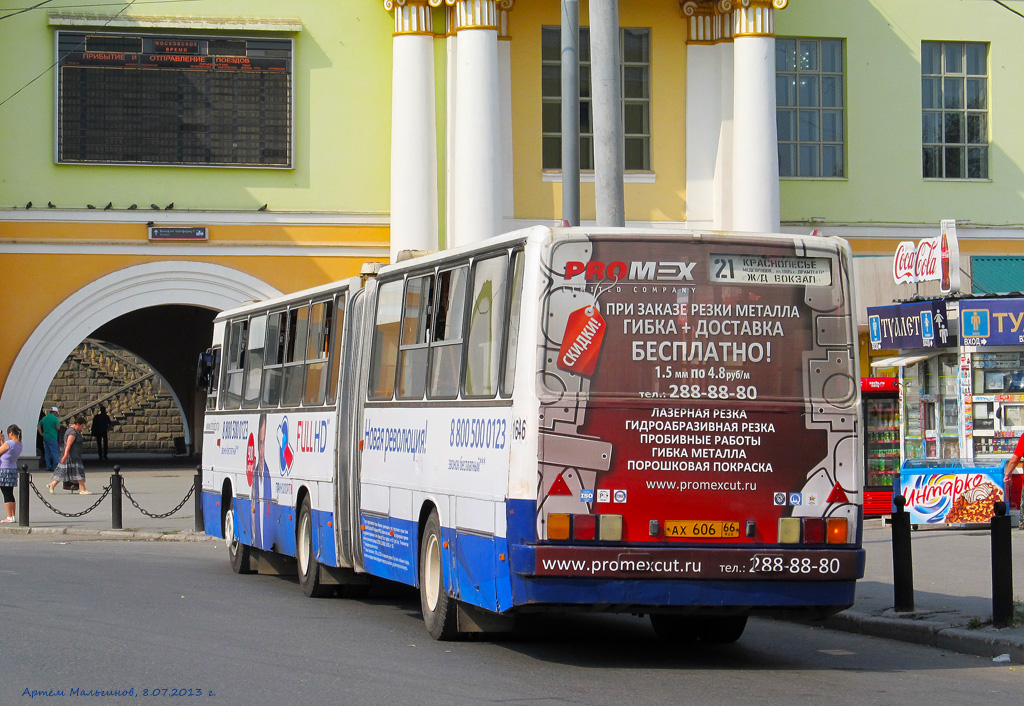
[{"x": 638, "y": 421}]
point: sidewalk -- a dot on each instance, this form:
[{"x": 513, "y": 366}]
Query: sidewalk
[
  {"x": 952, "y": 592},
  {"x": 952, "y": 568},
  {"x": 157, "y": 482}
]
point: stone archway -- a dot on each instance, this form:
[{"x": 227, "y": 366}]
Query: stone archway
[{"x": 198, "y": 284}]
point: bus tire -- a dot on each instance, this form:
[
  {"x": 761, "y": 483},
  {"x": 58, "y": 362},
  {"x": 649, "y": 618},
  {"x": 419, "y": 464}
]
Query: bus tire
[
  {"x": 239, "y": 554},
  {"x": 439, "y": 610},
  {"x": 675, "y": 628},
  {"x": 722, "y": 630},
  {"x": 305, "y": 557}
]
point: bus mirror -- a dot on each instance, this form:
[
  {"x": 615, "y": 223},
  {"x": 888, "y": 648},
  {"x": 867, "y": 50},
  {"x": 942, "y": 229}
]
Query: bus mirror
[{"x": 204, "y": 370}]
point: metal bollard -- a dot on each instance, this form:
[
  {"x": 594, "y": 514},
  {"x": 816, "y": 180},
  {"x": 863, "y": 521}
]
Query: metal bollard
[
  {"x": 902, "y": 559},
  {"x": 197, "y": 491},
  {"x": 1002, "y": 568},
  {"x": 116, "y": 484},
  {"x": 23, "y": 480}
]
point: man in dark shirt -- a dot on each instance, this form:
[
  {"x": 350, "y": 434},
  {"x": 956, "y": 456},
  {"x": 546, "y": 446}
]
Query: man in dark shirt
[{"x": 100, "y": 427}]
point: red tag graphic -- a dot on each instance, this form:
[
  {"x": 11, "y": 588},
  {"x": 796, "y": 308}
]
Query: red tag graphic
[{"x": 584, "y": 332}]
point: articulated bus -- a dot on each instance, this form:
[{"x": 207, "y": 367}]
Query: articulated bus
[{"x": 572, "y": 419}]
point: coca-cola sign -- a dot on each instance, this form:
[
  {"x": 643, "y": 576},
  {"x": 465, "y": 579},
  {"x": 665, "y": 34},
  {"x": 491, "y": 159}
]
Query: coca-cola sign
[
  {"x": 916, "y": 262},
  {"x": 930, "y": 259}
]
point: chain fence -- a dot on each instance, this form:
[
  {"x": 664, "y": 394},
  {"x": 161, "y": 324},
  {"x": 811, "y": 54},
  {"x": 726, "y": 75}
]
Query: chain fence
[
  {"x": 109, "y": 490},
  {"x": 101, "y": 498},
  {"x": 147, "y": 513}
]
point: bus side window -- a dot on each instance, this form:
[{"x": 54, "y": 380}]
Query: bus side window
[
  {"x": 508, "y": 375},
  {"x": 234, "y": 363},
  {"x": 254, "y": 361},
  {"x": 486, "y": 326},
  {"x": 446, "y": 333},
  {"x": 295, "y": 355},
  {"x": 412, "y": 351},
  {"x": 317, "y": 353},
  {"x": 273, "y": 358},
  {"x": 385, "y": 341},
  {"x": 337, "y": 346}
]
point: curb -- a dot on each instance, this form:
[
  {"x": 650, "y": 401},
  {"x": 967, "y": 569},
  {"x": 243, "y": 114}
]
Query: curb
[
  {"x": 124, "y": 535},
  {"x": 987, "y": 642}
]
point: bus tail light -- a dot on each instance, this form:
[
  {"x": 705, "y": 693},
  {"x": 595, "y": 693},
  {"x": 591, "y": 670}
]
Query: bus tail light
[
  {"x": 584, "y": 527},
  {"x": 558, "y": 525},
  {"x": 610, "y": 528},
  {"x": 789, "y": 530},
  {"x": 563, "y": 526},
  {"x": 814, "y": 530},
  {"x": 838, "y": 530}
]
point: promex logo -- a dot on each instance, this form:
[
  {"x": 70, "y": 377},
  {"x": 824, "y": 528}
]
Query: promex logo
[{"x": 632, "y": 271}]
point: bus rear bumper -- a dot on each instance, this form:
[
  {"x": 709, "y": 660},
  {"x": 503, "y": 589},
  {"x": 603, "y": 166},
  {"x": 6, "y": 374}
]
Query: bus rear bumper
[{"x": 813, "y": 582}]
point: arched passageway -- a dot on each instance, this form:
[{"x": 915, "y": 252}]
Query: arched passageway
[{"x": 98, "y": 308}]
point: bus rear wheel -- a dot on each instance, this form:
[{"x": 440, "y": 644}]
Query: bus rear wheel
[
  {"x": 239, "y": 554},
  {"x": 722, "y": 630},
  {"x": 719, "y": 630},
  {"x": 308, "y": 566},
  {"x": 675, "y": 628},
  {"x": 439, "y": 610}
]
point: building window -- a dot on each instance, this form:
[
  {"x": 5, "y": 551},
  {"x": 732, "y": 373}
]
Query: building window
[
  {"x": 174, "y": 100},
  {"x": 635, "y": 68},
  {"x": 809, "y": 98},
  {"x": 954, "y": 104}
]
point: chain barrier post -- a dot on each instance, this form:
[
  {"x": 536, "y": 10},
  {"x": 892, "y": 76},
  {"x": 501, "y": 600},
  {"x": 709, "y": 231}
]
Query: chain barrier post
[
  {"x": 1002, "y": 568},
  {"x": 23, "y": 480},
  {"x": 902, "y": 559},
  {"x": 197, "y": 488},
  {"x": 116, "y": 483}
]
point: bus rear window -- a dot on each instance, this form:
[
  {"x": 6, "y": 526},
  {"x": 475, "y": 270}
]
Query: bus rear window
[{"x": 686, "y": 321}]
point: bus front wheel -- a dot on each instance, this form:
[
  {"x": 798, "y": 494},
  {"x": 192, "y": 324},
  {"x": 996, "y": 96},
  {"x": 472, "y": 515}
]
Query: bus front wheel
[
  {"x": 238, "y": 553},
  {"x": 309, "y": 567},
  {"x": 439, "y": 611}
]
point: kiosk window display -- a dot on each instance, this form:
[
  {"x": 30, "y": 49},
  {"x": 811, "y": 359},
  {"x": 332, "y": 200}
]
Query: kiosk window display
[
  {"x": 931, "y": 408},
  {"x": 998, "y": 401}
]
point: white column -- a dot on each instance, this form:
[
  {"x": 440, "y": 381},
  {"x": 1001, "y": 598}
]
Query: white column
[
  {"x": 477, "y": 205},
  {"x": 703, "y": 114},
  {"x": 724, "y": 177},
  {"x": 507, "y": 191},
  {"x": 414, "y": 207},
  {"x": 755, "y": 139}
]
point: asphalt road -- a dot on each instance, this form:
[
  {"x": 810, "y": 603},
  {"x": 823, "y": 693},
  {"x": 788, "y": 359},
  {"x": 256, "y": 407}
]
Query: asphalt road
[{"x": 114, "y": 615}]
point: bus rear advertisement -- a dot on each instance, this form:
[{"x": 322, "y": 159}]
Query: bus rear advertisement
[{"x": 652, "y": 422}]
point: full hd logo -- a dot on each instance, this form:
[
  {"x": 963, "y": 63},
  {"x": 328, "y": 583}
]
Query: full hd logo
[{"x": 632, "y": 271}]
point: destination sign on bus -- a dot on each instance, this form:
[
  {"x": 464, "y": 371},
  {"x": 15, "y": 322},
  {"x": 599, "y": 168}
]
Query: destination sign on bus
[{"x": 762, "y": 269}]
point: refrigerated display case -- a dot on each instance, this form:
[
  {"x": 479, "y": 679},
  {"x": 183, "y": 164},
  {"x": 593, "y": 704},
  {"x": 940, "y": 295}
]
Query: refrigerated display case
[
  {"x": 931, "y": 408},
  {"x": 881, "y": 442}
]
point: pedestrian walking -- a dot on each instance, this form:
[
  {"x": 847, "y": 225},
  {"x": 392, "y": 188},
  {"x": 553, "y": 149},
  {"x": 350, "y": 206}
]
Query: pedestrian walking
[
  {"x": 10, "y": 450},
  {"x": 100, "y": 427},
  {"x": 48, "y": 427},
  {"x": 71, "y": 468}
]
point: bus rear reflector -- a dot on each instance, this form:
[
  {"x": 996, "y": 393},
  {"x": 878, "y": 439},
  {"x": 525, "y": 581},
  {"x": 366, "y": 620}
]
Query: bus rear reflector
[
  {"x": 584, "y": 526},
  {"x": 558, "y": 526},
  {"x": 610, "y": 528},
  {"x": 789, "y": 530},
  {"x": 814, "y": 530},
  {"x": 838, "y": 531}
]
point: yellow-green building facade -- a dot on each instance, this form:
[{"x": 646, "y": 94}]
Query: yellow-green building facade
[{"x": 87, "y": 192}]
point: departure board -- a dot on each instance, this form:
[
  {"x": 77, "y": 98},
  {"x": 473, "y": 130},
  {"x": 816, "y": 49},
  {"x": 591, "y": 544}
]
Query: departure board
[{"x": 174, "y": 100}]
